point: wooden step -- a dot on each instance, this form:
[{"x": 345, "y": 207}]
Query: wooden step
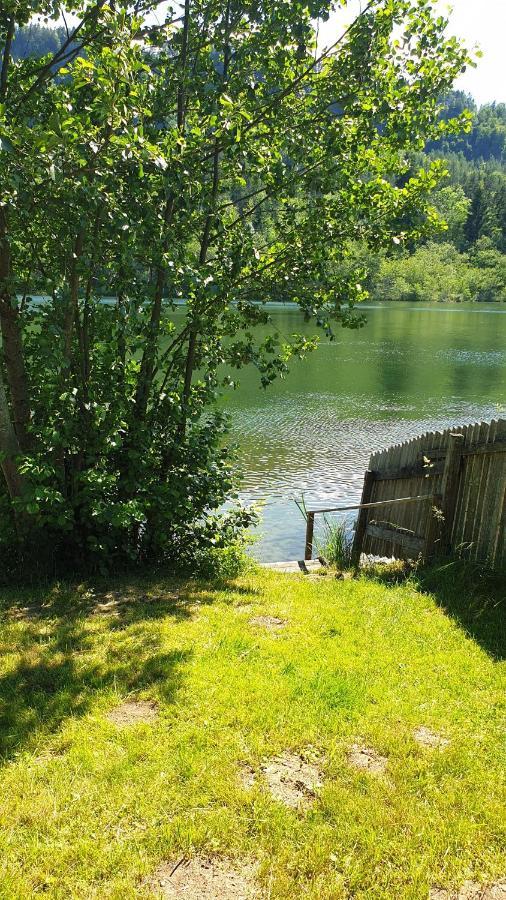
[{"x": 303, "y": 566}]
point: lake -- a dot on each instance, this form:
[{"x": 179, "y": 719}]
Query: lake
[{"x": 412, "y": 368}]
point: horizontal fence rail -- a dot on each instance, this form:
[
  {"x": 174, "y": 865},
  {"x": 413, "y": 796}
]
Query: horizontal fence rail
[{"x": 311, "y": 513}]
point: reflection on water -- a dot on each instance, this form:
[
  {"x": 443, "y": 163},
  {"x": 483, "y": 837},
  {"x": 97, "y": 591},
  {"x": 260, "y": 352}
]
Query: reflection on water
[{"x": 408, "y": 371}]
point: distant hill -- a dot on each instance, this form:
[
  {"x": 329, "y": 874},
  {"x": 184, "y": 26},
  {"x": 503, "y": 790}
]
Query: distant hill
[
  {"x": 37, "y": 40},
  {"x": 486, "y": 141}
]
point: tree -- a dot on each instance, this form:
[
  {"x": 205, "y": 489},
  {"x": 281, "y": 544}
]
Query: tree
[{"x": 122, "y": 159}]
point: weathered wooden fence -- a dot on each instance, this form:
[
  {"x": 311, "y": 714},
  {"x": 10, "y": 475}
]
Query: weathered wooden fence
[
  {"x": 440, "y": 493},
  {"x": 464, "y": 471}
]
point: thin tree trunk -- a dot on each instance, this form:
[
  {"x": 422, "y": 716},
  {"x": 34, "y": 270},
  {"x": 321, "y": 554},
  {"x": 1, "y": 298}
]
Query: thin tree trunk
[
  {"x": 148, "y": 361},
  {"x": 6, "y": 59},
  {"x": 204, "y": 245},
  {"x": 72, "y": 313},
  {"x": 13, "y": 343},
  {"x": 149, "y": 356},
  {"x": 9, "y": 448}
]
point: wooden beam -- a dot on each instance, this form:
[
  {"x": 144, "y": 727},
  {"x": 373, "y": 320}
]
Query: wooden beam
[
  {"x": 439, "y": 453},
  {"x": 386, "y": 531},
  {"x": 308, "y": 552},
  {"x": 418, "y": 470}
]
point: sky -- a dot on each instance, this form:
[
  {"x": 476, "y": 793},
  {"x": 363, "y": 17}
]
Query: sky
[{"x": 477, "y": 22}]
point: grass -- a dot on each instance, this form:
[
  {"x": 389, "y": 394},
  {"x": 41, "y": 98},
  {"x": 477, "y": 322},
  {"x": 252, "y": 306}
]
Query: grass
[
  {"x": 88, "y": 810},
  {"x": 336, "y": 543}
]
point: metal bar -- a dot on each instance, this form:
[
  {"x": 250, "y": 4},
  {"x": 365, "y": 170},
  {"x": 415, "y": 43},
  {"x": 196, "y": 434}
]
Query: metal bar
[
  {"x": 308, "y": 552},
  {"x": 370, "y": 505}
]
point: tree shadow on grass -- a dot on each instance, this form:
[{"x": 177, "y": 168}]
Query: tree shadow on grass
[
  {"x": 130, "y": 601},
  {"x": 58, "y": 656},
  {"x": 63, "y": 676},
  {"x": 474, "y": 597},
  {"x": 69, "y": 643}
]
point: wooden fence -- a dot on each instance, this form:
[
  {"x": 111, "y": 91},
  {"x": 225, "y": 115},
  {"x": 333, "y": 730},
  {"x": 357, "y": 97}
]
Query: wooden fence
[
  {"x": 464, "y": 471},
  {"x": 440, "y": 493}
]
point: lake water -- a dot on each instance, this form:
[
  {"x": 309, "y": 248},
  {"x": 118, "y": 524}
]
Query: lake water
[{"x": 412, "y": 368}]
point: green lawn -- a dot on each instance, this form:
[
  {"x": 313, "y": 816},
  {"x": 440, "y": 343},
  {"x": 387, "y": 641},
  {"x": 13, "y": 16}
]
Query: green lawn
[{"x": 90, "y": 808}]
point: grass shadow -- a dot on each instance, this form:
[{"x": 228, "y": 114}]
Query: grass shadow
[
  {"x": 474, "y": 597},
  {"x": 54, "y": 664},
  {"x": 58, "y": 656}
]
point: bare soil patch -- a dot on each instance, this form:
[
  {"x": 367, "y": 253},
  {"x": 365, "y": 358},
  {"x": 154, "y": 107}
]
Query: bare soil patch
[
  {"x": 293, "y": 778},
  {"x": 271, "y": 623},
  {"x": 428, "y": 738},
  {"x": 366, "y": 758},
  {"x": 133, "y": 712},
  {"x": 471, "y": 890},
  {"x": 205, "y": 878}
]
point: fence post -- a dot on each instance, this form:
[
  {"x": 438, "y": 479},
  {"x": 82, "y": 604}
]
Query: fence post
[
  {"x": 433, "y": 534},
  {"x": 308, "y": 552},
  {"x": 450, "y": 489},
  {"x": 362, "y": 518}
]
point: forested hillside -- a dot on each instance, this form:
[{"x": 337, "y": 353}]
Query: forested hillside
[
  {"x": 466, "y": 259},
  {"x": 37, "y": 40}
]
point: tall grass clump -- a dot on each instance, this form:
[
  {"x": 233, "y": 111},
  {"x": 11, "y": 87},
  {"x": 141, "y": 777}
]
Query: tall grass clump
[{"x": 336, "y": 542}]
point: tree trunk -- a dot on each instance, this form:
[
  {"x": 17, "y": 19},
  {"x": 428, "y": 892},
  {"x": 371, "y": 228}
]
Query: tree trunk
[
  {"x": 9, "y": 448},
  {"x": 13, "y": 343},
  {"x": 72, "y": 313}
]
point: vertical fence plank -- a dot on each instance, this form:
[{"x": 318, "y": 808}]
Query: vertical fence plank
[
  {"x": 433, "y": 529},
  {"x": 488, "y": 489},
  {"x": 450, "y": 489},
  {"x": 308, "y": 552},
  {"x": 361, "y": 525}
]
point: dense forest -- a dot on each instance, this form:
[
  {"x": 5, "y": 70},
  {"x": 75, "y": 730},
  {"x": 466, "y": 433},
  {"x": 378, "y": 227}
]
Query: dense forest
[{"x": 465, "y": 257}]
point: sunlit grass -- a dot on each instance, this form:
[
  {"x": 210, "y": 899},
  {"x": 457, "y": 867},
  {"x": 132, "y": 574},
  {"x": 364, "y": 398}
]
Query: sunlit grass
[{"x": 88, "y": 810}]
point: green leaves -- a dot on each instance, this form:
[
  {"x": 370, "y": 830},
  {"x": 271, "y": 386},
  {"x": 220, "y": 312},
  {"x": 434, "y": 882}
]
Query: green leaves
[{"x": 187, "y": 179}]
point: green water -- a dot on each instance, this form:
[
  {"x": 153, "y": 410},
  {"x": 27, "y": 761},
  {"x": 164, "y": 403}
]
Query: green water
[{"x": 410, "y": 369}]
